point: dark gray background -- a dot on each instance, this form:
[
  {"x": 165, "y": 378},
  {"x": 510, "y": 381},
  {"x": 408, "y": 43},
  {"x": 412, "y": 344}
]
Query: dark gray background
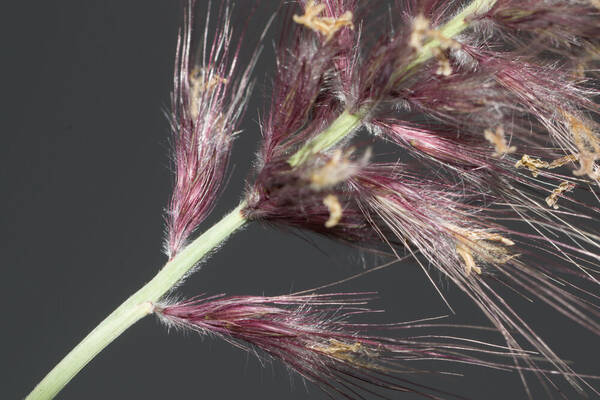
[{"x": 84, "y": 180}]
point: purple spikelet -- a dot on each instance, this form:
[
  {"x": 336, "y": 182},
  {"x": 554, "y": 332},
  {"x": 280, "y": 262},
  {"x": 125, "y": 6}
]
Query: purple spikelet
[
  {"x": 314, "y": 336},
  {"x": 208, "y": 100}
]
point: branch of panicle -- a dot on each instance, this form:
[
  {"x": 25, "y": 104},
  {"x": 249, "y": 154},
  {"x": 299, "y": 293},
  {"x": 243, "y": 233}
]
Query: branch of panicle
[
  {"x": 209, "y": 97},
  {"x": 315, "y": 336}
]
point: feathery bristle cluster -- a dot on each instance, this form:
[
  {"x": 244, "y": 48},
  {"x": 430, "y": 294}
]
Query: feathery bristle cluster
[
  {"x": 465, "y": 97},
  {"x": 208, "y": 100},
  {"x": 313, "y": 335}
]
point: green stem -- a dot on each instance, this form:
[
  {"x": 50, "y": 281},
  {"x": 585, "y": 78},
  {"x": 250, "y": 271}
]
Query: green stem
[
  {"x": 137, "y": 306},
  {"x": 347, "y": 123},
  {"x": 340, "y": 128}
]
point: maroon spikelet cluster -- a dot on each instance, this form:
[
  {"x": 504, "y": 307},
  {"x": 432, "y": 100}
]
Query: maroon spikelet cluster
[
  {"x": 498, "y": 134},
  {"x": 208, "y": 99},
  {"x": 313, "y": 336}
]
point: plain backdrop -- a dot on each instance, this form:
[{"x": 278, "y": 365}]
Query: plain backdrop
[{"x": 84, "y": 180}]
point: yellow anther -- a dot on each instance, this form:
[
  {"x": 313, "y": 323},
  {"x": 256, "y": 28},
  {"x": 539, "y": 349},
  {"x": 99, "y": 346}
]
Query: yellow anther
[
  {"x": 498, "y": 140},
  {"x": 335, "y": 210},
  {"x": 556, "y": 193},
  {"x": 336, "y": 347},
  {"x": 444, "y": 67},
  {"x": 339, "y": 168},
  {"x": 587, "y": 166},
  {"x": 587, "y": 143},
  {"x": 201, "y": 80},
  {"x": 535, "y": 164},
  {"x": 422, "y": 32},
  {"x": 468, "y": 242},
  {"x": 355, "y": 353},
  {"x": 327, "y": 26},
  {"x": 562, "y": 161},
  {"x": 419, "y": 33},
  {"x": 467, "y": 256}
]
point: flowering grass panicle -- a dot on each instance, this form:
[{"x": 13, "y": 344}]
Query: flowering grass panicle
[{"x": 489, "y": 111}]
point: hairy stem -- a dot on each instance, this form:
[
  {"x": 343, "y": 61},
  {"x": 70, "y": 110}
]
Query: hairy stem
[
  {"x": 137, "y": 306},
  {"x": 347, "y": 123}
]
